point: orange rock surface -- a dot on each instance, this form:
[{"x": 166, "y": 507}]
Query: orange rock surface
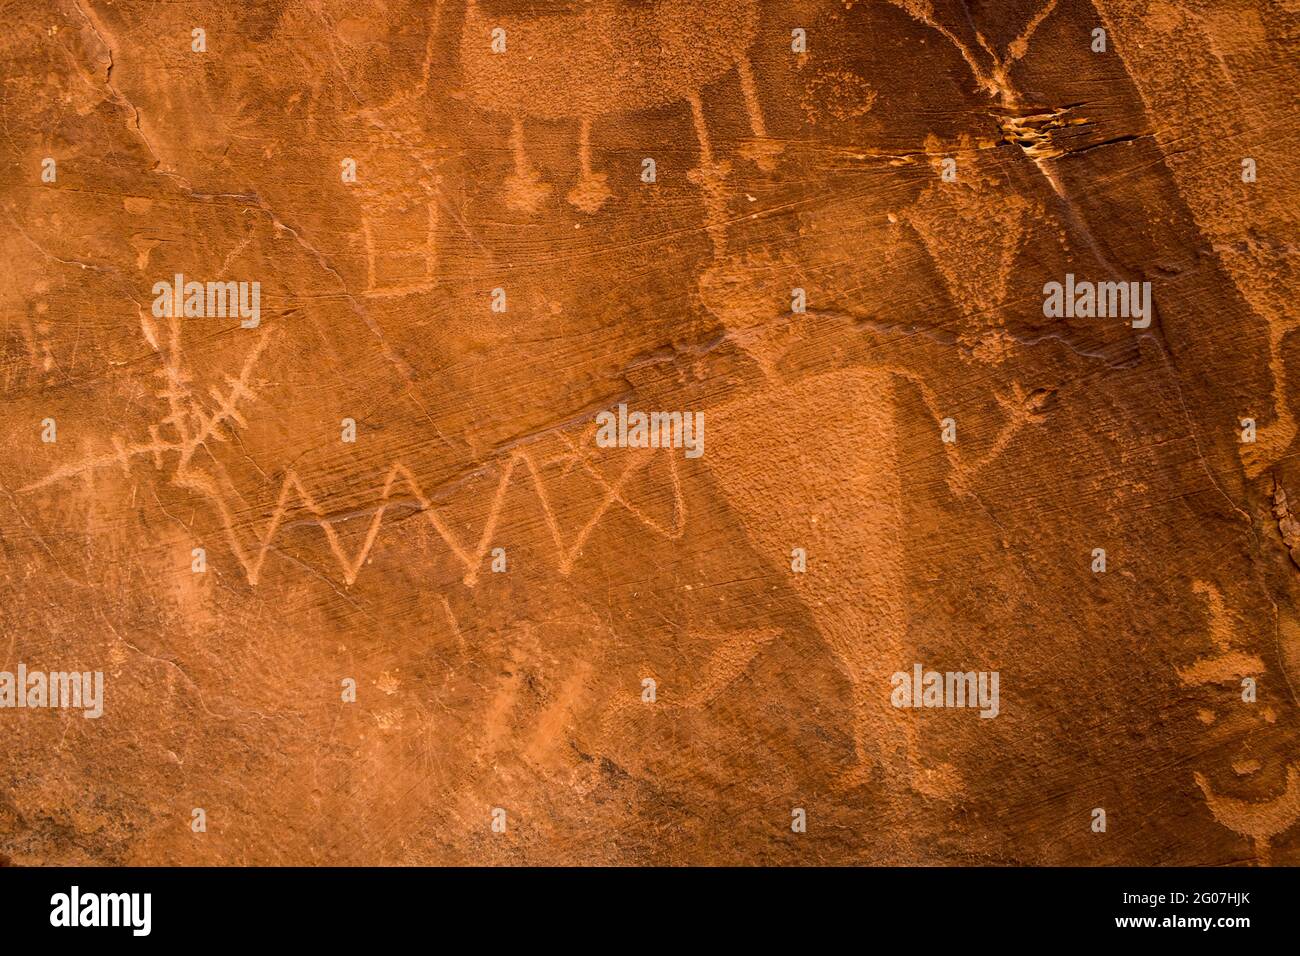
[{"x": 366, "y": 586}]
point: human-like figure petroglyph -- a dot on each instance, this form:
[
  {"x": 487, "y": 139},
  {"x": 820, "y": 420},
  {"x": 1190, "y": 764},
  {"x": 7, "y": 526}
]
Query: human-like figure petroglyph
[
  {"x": 1250, "y": 227},
  {"x": 851, "y": 515},
  {"x": 857, "y": 489},
  {"x": 397, "y": 180},
  {"x": 1027, "y": 126},
  {"x": 1259, "y": 820},
  {"x": 608, "y": 58}
]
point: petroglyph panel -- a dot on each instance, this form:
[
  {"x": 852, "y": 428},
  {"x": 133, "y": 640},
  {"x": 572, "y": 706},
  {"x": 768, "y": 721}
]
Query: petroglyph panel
[{"x": 615, "y": 411}]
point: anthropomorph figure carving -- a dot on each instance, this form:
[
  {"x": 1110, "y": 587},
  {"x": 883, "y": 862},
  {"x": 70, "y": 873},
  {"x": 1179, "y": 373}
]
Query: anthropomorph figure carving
[{"x": 608, "y": 58}]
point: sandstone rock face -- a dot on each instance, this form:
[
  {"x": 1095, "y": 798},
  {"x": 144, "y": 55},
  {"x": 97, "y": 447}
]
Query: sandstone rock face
[{"x": 358, "y": 529}]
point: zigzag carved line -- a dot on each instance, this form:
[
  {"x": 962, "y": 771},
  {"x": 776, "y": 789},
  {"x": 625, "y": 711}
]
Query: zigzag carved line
[{"x": 472, "y": 560}]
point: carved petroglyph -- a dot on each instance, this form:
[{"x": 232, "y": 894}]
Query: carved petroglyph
[
  {"x": 835, "y": 263},
  {"x": 865, "y": 512},
  {"x": 195, "y": 424},
  {"x": 838, "y": 94},
  {"x": 1230, "y": 664},
  {"x": 409, "y": 265},
  {"x": 854, "y": 508},
  {"x": 971, "y": 213},
  {"x": 1249, "y": 226},
  {"x": 993, "y": 78},
  {"x": 1028, "y": 127},
  {"x": 591, "y": 190},
  {"x": 730, "y": 658},
  {"x": 607, "y": 58},
  {"x": 1259, "y": 820},
  {"x": 741, "y": 291},
  {"x": 471, "y": 557},
  {"x": 399, "y": 478}
]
